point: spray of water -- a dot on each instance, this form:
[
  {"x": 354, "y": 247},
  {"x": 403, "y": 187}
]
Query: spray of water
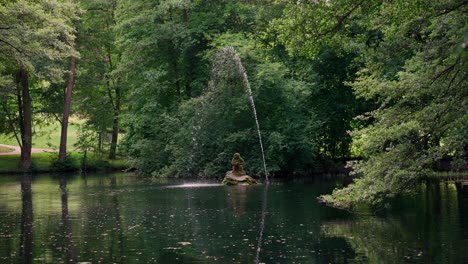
[{"x": 230, "y": 52}]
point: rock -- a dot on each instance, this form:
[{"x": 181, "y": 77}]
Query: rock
[{"x": 231, "y": 179}]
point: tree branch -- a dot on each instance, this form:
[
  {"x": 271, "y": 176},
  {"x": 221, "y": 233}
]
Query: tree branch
[
  {"x": 57, "y": 118},
  {"x": 452, "y": 8},
  {"x": 17, "y": 49},
  {"x": 342, "y": 19},
  {"x": 445, "y": 71},
  {"x": 98, "y": 9},
  {"x": 11, "y": 123}
]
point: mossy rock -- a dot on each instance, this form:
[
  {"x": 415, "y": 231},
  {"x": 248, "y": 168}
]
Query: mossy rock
[{"x": 231, "y": 179}]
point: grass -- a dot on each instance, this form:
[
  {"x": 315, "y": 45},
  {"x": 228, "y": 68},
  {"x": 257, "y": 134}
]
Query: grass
[
  {"x": 5, "y": 149},
  {"x": 44, "y": 162},
  {"x": 49, "y": 136},
  {"x": 9, "y": 163}
]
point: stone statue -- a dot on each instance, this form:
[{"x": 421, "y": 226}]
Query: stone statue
[
  {"x": 237, "y": 175},
  {"x": 238, "y": 165}
]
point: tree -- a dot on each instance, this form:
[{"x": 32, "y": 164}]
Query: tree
[
  {"x": 66, "y": 109},
  {"x": 162, "y": 46},
  {"x": 35, "y": 33},
  {"x": 100, "y": 87},
  {"x": 415, "y": 69}
]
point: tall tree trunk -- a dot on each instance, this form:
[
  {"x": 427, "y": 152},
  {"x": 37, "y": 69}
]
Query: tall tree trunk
[
  {"x": 66, "y": 110},
  {"x": 115, "y": 126},
  {"x": 25, "y": 118}
]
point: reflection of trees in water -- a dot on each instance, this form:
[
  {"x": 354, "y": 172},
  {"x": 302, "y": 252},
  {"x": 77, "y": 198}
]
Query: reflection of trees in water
[
  {"x": 26, "y": 237},
  {"x": 67, "y": 229},
  {"x": 426, "y": 229},
  {"x": 117, "y": 237},
  {"x": 462, "y": 196}
]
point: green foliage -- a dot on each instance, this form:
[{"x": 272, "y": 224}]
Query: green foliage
[
  {"x": 69, "y": 164},
  {"x": 303, "y": 113},
  {"x": 308, "y": 27},
  {"x": 421, "y": 117},
  {"x": 36, "y": 37},
  {"x": 210, "y": 128},
  {"x": 36, "y": 30},
  {"x": 334, "y": 100},
  {"x": 382, "y": 80},
  {"x": 95, "y": 164},
  {"x": 99, "y": 93}
]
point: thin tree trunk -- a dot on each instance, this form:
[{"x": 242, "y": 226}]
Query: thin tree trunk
[
  {"x": 115, "y": 126},
  {"x": 25, "y": 119},
  {"x": 178, "y": 89},
  {"x": 100, "y": 145},
  {"x": 66, "y": 110},
  {"x": 115, "y": 106}
]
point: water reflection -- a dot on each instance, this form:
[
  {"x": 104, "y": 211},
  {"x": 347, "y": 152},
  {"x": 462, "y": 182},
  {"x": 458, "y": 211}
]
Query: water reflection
[
  {"x": 26, "y": 237},
  {"x": 428, "y": 228},
  {"x": 118, "y": 219},
  {"x": 117, "y": 237},
  {"x": 237, "y": 198},
  {"x": 67, "y": 228},
  {"x": 462, "y": 197}
]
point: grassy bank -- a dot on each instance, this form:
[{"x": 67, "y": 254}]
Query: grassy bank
[{"x": 46, "y": 162}]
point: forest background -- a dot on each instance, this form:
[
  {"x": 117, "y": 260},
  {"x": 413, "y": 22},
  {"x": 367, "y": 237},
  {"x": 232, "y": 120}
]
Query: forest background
[{"x": 380, "y": 82}]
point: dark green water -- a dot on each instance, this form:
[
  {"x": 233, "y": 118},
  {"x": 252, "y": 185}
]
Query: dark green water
[{"x": 121, "y": 219}]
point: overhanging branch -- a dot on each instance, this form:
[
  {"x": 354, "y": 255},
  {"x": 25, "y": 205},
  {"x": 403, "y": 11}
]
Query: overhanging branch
[{"x": 11, "y": 45}]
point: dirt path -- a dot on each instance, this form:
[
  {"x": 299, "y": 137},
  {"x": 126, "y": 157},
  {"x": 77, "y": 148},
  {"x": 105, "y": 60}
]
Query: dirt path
[{"x": 17, "y": 150}]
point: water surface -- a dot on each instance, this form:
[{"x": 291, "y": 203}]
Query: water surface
[{"x": 116, "y": 218}]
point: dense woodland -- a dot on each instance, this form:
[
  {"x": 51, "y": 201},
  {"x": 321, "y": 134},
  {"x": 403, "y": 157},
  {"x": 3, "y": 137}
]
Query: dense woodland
[{"x": 379, "y": 81}]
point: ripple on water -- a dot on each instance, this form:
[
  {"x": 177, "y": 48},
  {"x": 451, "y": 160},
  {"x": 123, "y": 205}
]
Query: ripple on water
[{"x": 195, "y": 185}]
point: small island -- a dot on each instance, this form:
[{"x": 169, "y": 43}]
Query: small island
[{"x": 237, "y": 175}]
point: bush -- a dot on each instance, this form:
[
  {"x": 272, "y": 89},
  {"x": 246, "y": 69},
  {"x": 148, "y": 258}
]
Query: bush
[
  {"x": 69, "y": 164},
  {"x": 91, "y": 164}
]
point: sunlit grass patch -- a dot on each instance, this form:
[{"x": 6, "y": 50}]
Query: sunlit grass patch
[
  {"x": 48, "y": 136},
  {"x": 41, "y": 162}
]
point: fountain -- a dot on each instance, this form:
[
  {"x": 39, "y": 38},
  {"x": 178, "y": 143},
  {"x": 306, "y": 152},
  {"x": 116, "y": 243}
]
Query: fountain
[{"x": 229, "y": 52}]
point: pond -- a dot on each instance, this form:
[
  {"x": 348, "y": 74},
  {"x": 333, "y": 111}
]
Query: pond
[{"x": 118, "y": 218}]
